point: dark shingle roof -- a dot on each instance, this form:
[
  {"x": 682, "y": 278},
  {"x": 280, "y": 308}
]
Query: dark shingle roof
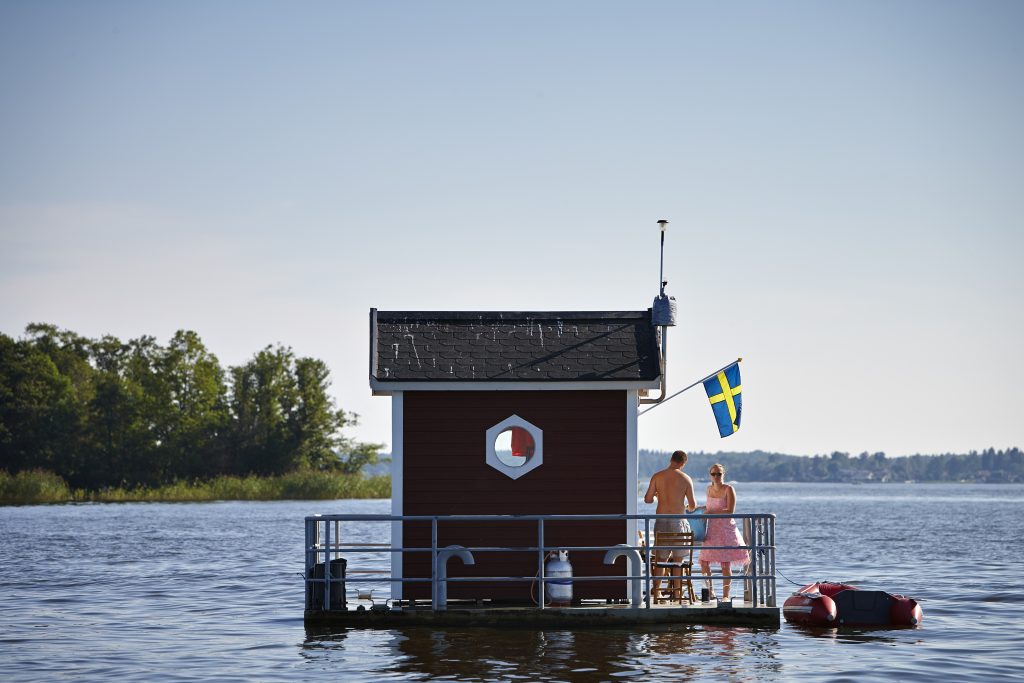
[{"x": 445, "y": 346}]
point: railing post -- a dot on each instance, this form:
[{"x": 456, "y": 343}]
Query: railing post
[
  {"x": 755, "y": 558},
  {"x": 771, "y": 549},
  {"x": 396, "y": 559},
  {"x": 647, "y": 578},
  {"x": 327, "y": 566},
  {"x": 540, "y": 563},
  {"x": 760, "y": 559},
  {"x": 749, "y": 538},
  {"x": 764, "y": 561},
  {"x": 307, "y": 574},
  {"x": 316, "y": 541},
  {"x": 433, "y": 564}
]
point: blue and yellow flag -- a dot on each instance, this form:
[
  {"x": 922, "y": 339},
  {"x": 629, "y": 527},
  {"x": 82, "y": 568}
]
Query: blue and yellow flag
[{"x": 724, "y": 393}]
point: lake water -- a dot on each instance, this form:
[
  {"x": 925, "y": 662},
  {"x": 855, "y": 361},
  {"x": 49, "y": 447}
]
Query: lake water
[{"x": 151, "y": 592}]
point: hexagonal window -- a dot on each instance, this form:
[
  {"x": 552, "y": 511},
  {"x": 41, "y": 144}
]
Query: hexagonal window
[{"x": 515, "y": 447}]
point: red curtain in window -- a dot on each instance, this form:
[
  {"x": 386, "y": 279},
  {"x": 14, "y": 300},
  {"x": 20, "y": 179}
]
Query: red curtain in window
[{"x": 522, "y": 443}]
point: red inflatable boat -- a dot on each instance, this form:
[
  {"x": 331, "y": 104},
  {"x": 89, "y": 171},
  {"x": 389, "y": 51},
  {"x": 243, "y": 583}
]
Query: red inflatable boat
[{"x": 837, "y": 604}]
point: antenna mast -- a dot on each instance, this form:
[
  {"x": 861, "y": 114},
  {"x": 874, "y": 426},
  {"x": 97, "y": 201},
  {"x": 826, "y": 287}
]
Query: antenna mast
[
  {"x": 663, "y": 315},
  {"x": 663, "y": 224}
]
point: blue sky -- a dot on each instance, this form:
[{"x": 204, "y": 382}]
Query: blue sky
[{"x": 843, "y": 180}]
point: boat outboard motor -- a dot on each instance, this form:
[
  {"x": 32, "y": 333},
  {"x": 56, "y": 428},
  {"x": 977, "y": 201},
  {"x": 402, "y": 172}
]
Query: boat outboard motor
[{"x": 559, "y": 572}]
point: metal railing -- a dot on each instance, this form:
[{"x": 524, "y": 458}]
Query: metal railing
[{"x": 324, "y": 547}]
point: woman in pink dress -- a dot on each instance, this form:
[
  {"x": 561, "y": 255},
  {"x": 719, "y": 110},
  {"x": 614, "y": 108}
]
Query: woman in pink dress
[{"x": 721, "y": 500}]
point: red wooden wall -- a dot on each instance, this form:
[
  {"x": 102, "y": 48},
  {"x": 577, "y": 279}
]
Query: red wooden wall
[{"x": 445, "y": 473}]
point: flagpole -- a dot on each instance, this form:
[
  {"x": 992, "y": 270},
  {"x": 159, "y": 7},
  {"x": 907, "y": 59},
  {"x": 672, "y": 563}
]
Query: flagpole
[{"x": 704, "y": 379}]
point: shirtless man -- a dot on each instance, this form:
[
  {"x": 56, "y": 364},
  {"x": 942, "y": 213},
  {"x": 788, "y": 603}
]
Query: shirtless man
[{"x": 673, "y": 489}]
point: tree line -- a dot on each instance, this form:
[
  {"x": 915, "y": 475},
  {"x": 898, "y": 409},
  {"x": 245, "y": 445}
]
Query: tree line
[
  {"x": 987, "y": 466},
  {"x": 104, "y": 412}
]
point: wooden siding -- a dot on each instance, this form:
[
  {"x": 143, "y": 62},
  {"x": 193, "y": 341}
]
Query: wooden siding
[{"x": 445, "y": 473}]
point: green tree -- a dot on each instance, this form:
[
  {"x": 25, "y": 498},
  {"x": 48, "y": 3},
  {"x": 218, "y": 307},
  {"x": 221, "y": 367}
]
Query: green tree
[
  {"x": 284, "y": 418},
  {"x": 120, "y": 445},
  {"x": 38, "y": 413},
  {"x": 190, "y": 409},
  {"x": 262, "y": 397},
  {"x": 60, "y": 439},
  {"x": 317, "y": 425}
]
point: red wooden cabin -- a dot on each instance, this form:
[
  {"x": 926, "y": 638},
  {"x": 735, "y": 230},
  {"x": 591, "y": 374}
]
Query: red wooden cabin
[{"x": 513, "y": 413}]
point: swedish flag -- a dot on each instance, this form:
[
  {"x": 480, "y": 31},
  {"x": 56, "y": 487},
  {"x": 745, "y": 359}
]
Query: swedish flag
[{"x": 726, "y": 401}]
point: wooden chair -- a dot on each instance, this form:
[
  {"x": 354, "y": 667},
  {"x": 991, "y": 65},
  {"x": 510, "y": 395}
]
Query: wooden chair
[{"x": 679, "y": 564}]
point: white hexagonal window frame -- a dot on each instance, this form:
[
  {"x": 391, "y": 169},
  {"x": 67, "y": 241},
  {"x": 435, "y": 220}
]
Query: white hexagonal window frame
[{"x": 514, "y": 472}]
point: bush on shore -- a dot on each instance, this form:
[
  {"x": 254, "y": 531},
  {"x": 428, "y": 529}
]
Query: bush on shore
[
  {"x": 33, "y": 486},
  {"x": 39, "y": 486}
]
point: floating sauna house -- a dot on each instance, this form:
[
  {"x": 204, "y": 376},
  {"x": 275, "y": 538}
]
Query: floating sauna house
[
  {"x": 514, "y": 442},
  {"x": 513, "y": 413}
]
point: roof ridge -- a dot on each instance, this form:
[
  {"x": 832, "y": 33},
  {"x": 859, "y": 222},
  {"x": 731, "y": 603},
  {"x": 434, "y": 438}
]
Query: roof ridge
[{"x": 512, "y": 315}]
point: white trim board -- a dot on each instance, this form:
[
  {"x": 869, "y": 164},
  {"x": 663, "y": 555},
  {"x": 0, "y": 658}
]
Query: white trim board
[
  {"x": 632, "y": 464},
  {"x": 388, "y": 388},
  {"x": 397, "y": 486}
]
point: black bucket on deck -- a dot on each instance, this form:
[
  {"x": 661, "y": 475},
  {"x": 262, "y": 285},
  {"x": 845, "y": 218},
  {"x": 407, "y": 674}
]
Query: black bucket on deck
[{"x": 315, "y": 589}]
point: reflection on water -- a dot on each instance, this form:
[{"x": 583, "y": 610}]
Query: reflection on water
[
  {"x": 509, "y": 654},
  {"x": 487, "y": 654},
  {"x": 854, "y": 635}
]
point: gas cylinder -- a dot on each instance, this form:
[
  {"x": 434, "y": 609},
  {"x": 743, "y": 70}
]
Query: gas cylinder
[{"x": 559, "y": 572}]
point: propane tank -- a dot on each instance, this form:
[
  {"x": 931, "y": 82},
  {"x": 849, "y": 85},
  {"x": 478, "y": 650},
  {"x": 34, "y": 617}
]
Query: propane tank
[{"x": 559, "y": 571}]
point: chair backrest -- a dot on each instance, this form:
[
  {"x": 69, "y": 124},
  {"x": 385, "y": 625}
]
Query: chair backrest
[{"x": 681, "y": 543}]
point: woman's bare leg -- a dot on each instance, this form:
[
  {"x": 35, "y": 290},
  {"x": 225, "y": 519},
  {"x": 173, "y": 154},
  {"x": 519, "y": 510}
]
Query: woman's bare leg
[{"x": 726, "y": 571}]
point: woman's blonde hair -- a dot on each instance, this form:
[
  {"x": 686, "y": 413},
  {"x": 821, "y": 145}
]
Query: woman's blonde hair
[{"x": 721, "y": 467}]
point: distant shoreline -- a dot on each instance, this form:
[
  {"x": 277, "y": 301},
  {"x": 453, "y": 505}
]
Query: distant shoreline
[
  {"x": 39, "y": 487},
  {"x": 989, "y": 466}
]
